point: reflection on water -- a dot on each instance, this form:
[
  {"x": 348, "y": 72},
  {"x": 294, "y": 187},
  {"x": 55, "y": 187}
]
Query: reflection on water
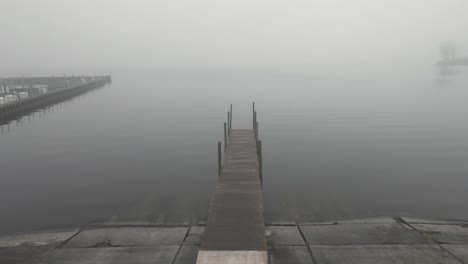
[
  {"x": 144, "y": 149},
  {"x": 8, "y": 126}
]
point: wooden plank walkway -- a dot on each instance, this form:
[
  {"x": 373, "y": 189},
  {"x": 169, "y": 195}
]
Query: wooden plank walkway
[
  {"x": 235, "y": 231},
  {"x": 235, "y": 219}
]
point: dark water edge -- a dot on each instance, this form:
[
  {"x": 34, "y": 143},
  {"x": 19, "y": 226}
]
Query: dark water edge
[{"x": 144, "y": 150}]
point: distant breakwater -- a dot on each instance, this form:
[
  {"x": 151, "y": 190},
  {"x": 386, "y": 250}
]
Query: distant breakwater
[{"x": 60, "y": 89}]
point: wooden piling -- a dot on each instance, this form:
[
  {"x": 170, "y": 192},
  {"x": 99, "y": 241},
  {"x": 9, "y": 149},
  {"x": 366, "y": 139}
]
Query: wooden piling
[
  {"x": 225, "y": 136},
  {"x": 254, "y": 119},
  {"x": 230, "y": 122},
  {"x": 256, "y": 130},
  {"x": 219, "y": 158},
  {"x": 253, "y": 115},
  {"x": 260, "y": 161}
]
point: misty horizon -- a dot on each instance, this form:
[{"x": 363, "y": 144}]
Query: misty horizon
[{"x": 53, "y": 37}]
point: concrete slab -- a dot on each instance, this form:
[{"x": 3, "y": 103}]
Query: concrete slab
[
  {"x": 447, "y": 234},
  {"x": 290, "y": 255},
  {"x": 376, "y": 220},
  {"x": 27, "y": 248},
  {"x": 194, "y": 235},
  {"x": 113, "y": 255},
  {"x": 23, "y": 254},
  {"x": 232, "y": 257},
  {"x": 415, "y": 220},
  {"x": 285, "y": 223},
  {"x": 382, "y": 254},
  {"x": 37, "y": 239},
  {"x": 362, "y": 234},
  {"x": 128, "y": 236},
  {"x": 119, "y": 223},
  {"x": 284, "y": 235},
  {"x": 459, "y": 251},
  {"x": 187, "y": 255}
]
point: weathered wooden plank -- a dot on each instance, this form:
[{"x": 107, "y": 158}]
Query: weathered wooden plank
[{"x": 235, "y": 220}]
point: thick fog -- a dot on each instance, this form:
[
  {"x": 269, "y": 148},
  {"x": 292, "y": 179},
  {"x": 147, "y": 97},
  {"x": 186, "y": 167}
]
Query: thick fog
[
  {"x": 356, "y": 118},
  {"x": 57, "y": 36}
]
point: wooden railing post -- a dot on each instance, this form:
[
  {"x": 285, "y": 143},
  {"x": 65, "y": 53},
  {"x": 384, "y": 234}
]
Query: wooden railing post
[
  {"x": 229, "y": 123},
  {"x": 256, "y": 131},
  {"x": 219, "y": 158},
  {"x": 253, "y": 115},
  {"x": 254, "y": 119},
  {"x": 260, "y": 161},
  {"x": 225, "y": 136}
]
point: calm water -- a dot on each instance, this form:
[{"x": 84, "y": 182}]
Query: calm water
[{"x": 144, "y": 149}]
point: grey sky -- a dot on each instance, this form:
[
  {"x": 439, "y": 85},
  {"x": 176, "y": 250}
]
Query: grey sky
[{"x": 68, "y": 35}]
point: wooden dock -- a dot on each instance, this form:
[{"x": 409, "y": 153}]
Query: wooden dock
[{"x": 236, "y": 227}]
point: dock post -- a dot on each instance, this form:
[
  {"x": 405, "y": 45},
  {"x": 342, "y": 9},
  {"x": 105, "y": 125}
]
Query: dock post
[
  {"x": 254, "y": 119},
  {"x": 225, "y": 136},
  {"x": 253, "y": 115},
  {"x": 230, "y": 124},
  {"x": 256, "y": 131},
  {"x": 260, "y": 161},
  {"x": 219, "y": 158}
]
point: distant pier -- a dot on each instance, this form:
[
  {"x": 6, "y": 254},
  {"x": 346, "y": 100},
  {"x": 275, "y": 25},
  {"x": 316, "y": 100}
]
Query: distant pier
[{"x": 41, "y": 92}]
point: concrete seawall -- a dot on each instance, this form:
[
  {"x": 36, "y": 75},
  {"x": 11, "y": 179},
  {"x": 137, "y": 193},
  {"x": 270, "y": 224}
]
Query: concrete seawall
[{"x": 399, "y": 240}]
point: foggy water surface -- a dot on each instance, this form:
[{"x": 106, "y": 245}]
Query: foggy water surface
[{"x": 144, "y": 149}]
